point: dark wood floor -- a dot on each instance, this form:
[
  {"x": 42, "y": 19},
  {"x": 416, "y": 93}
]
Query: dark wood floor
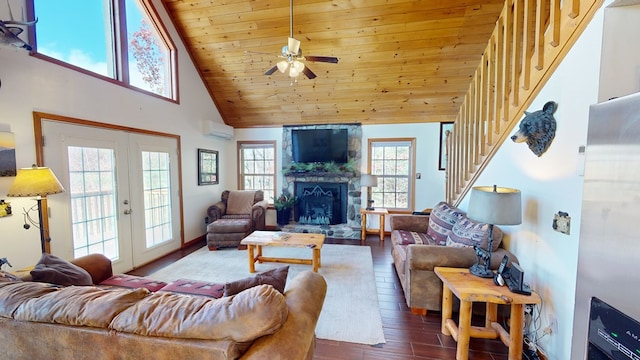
[{"x": 409, "y": 336}]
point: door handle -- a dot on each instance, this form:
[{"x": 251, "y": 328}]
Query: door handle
[{"x": 128, "y": 211}]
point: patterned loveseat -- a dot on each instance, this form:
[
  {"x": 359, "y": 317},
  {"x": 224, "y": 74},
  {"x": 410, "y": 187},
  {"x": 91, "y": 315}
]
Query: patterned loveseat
[{"x": 443, "y": 238}]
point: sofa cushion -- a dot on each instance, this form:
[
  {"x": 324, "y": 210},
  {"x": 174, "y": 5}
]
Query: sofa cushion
[
  {"x": 240, "y": 202},
  {"x": 405, "y": 237},
  {"x": 133, "y": 282},
  {"x": 258, "y": 311},
  {"x": 55, "y": 270},
  {"x": 79, "y": 305},
  {"x": 194, "y": 287},
  {"x": 441, "y": 221},
  {"x": 275, "y": 277},
  {"x": 12, "y": 294},
  {"x": 467, "y": 233}
]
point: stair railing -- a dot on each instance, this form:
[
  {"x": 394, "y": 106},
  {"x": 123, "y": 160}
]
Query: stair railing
[{"x": 529, "y": 41}]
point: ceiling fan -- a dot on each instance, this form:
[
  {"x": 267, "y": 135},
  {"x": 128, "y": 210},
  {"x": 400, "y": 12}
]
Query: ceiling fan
[{"x": 292, "y": 59}]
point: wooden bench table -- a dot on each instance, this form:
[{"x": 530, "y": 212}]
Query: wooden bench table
[{"x": 469, "y": 289}]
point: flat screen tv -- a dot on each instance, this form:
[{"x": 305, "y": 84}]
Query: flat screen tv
[{"x": 320, "y": 145}]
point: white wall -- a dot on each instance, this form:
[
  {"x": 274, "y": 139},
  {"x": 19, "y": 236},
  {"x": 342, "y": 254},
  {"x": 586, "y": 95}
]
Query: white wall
[
  {"x": 30, "y": 84},
  {"x": 552, "y": 183}
]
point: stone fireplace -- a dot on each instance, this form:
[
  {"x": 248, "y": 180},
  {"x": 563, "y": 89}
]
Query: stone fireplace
[{"x": 343, "y": 187}]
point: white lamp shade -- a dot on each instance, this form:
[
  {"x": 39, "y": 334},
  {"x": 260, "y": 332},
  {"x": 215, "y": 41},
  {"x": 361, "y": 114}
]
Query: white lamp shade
[
  {"x": 368, "y": 180},
  {"x": 500, "y": 207},
  {"x": 35, "y": 181},
  {"x": 293, "y": 46},
  {"x": 283, "y": 66}
]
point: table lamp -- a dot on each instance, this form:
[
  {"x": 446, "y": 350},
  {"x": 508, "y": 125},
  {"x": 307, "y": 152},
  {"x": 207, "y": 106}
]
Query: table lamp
[
  {"x": 369, "y": 181},
  {"x": 38, "y": 182},
  {"x": 492, "y": 205}
]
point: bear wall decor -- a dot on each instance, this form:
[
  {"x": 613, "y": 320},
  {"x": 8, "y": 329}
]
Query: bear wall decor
[{"x": 538, "y": 129}]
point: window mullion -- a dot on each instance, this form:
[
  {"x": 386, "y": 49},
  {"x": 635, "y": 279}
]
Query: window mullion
[{"x": 120, "y": 40}]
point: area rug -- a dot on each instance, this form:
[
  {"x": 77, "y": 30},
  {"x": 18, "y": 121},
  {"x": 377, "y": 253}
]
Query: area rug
[{"x": 350, "y": 312}]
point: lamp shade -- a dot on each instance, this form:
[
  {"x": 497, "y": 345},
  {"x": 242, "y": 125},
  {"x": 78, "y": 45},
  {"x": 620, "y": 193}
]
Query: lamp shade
[
  {"x": 35, "y": 181},
  {"x": 368, "y": 180},
  {"x": 495, "y": 205}
]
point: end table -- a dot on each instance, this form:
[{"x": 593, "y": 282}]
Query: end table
[
  {"x": 363, "y": 215},
  {"x": 470, "y": 288}
]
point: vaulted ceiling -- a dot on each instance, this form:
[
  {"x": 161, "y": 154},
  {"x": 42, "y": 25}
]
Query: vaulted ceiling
[{"x": 400, "y": 61}]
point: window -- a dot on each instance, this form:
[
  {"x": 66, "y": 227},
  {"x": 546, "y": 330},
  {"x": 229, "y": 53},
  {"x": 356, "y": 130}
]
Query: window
[
  {"x": 93, "y": 201},
  {"x": 156, "y": 175},
  {"x": 393, "y": 162},
  {"x": 257, "y": 167},
  {"x": 115, "y": 39}
]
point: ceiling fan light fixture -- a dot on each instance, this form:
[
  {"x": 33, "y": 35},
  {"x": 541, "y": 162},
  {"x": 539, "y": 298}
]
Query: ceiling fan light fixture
[{"x": 283, "y": 65}]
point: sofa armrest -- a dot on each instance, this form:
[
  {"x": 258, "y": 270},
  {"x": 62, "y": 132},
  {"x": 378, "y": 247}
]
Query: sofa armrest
[
  {"x": 305, "y": 295},
  {"x": 97, "y": 265},
  {"x": 417, "y": 223},
  {"x": 258, "y": 214},
  {"x": 427, "y": 257},
  {"x": 215, "y": 211}
]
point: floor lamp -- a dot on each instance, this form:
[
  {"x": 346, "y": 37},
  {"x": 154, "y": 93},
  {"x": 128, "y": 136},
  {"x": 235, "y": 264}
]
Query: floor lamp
[
  {"x": 38, "y": 182},
  {"x": 494, "y": 206},
  {"x": 369, "y": 181}
]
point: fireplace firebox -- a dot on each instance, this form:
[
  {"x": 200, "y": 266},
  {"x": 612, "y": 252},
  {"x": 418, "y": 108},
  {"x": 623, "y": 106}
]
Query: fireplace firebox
[{"x": 321, "y": 203}]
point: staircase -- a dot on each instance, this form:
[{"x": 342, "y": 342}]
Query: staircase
[{"x": 529, "y": 41}]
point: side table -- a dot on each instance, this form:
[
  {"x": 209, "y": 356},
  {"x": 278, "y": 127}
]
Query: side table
[
  {"x": 363, "y": 215},
  {"x": 470, "y": 288}
]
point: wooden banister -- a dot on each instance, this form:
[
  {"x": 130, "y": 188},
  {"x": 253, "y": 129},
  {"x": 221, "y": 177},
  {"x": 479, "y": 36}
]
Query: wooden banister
[{"x": 529, "y": 41}]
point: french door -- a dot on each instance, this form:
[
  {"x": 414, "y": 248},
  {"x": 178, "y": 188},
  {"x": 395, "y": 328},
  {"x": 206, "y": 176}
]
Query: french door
[{"x": 122, "y": 193}]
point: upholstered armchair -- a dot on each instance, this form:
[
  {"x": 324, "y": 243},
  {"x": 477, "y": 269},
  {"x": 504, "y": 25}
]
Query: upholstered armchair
[
  {"x": 239, "y": 204},
  {"x": 236, "y": 215}
]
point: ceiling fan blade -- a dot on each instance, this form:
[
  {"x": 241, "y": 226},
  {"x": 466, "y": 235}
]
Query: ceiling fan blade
[
  {"x": 308, "y": 73},
  {"x": 271, "y": 70},
  {"x": 327, "y": 59}
]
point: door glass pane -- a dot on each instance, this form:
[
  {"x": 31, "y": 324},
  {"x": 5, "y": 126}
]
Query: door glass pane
[
  {"x": 156, "y": 184},
  {"x": 93, "y": 201}
]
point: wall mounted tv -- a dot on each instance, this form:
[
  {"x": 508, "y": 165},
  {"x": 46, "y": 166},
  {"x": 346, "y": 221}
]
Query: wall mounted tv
[{"x": 320, "y": 145}]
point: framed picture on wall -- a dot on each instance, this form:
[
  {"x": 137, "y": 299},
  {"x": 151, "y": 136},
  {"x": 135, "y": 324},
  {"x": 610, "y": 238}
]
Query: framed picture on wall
[
  {"x": 7, "y": 154},
  {"x": 442, "y": 159},
  {"x": 207, "y": 167}
]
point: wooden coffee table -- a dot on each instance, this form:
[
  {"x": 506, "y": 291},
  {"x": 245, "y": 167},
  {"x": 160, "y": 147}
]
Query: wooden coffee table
[{"x": 257, "y": 239}]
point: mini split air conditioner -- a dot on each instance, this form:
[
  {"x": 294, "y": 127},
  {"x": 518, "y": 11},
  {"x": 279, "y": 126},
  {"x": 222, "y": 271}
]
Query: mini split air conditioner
[{"x": 218, "y": 129}]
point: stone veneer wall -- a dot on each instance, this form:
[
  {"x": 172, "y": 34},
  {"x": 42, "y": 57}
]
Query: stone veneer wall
[{"x": 354, "y": 132}]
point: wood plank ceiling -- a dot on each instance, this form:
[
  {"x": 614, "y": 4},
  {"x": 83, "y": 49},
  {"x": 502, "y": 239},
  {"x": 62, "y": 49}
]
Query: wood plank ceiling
[{"x": 400, "y": 61}]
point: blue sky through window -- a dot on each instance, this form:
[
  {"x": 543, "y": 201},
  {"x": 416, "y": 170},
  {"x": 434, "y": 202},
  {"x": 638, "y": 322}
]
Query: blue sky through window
[{"x": 79, "y": 33}]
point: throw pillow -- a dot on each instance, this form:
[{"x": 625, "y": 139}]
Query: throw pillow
[
  {"x": 54, "y": 270},
  {"x": 240, "y": 202},
  {"x": 133, "y": 282},
  {"x": 467, "y": 233},
  {"x": 441, "y": 221},
  {"x": 194, "y": 287},
  {"x": 275, "y": 277},
  {"x": 8, "y": 277}
]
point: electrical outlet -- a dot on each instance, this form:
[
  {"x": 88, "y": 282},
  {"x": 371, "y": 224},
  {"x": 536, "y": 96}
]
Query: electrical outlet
[
  {"x": 553, "y": 325},
  {"x": 562, "y": 222}
]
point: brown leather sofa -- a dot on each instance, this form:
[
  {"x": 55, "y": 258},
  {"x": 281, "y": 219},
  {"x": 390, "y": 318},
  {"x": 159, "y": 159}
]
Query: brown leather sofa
[
  {"x": 44, "y": 321},
  {"x": 420, "y": 243}
]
